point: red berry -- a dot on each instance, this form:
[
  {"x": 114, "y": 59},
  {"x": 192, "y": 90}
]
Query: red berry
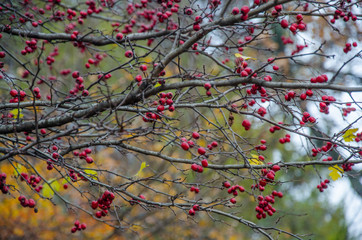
[
  {"x": 233, "y": 200},
  {"x": 119, "y": 36},
  {"x": 235, "y": 11},
  {"x": 201, "y": 151},
  {"x": 191, "y": 212},
  {"x": 196, "y": 135},
  {"x": 214, "y": 144},
  {"x": 128, "y": 54},
  {"x": 194, "y": 167},
  {"x": 284, "y": 23},
  {"x": 244, "y": 10},
  {"x": 204, "y": 163},
  {"x": 207, "y": 86},
  {"x": 13, "y": 93},
  {"x": 185, "y": 146},
  {"x": 143, "y": 68},
  {"x": 226, "y": 184}
]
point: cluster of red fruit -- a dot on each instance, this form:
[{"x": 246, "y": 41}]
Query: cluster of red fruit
[
  {"x": 287, "y": 40},
  {"x": 348, "y": 166},
  {"x": 79, "y": 86},
  {"x": 307, "y": 117},
  {"x": 3, "y": 187},
  {"x": 323, "y": 185},
  {"x": 299, "y": 48},
  {"x": 103, "y": 203},
  {"x": 207, "y": 86},
  {"x": 18, "y": 96},
  {"x": 194, "y": 189},
  {"x": 32, "y": 180},
  {"x": 265, "y": 204},
  {"x": 343, "y": 13},
  {"x": 275, "y": 128},
  {"x": 298, "y": 25},
  {"x": 285, "y": 139},
  {"x": 347, "y": 111},
  {"x": 233, "y": 190},
  {"x": 164, "y": 99},
  {"x": 50, "y": 59},
  {"x": 308, "y": 93},
  {"x": 324, "y": 148},
  {"x": 267, "y": 176},
  {"x": 349, "y": 47},
  {"x": 31, "y": 46},
  {"x": 194, "y": 209},
  {"x": 78, "y": 226},
  {"x": 255, "y": 89},
  {"x": 98, "y": 58},
  {"x": 84, "y": 155},
  {"x": 320, "y": 79},
  {"x": 244, "y": 10},
  {"x": 323, "y": 106},
  {"x": 26, "y": 202},
  {"x": 162, "y": 14}
]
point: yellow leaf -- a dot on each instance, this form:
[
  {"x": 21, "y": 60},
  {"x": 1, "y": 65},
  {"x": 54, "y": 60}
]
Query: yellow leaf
[
  {"x": 238, "y": 55},
  {"x": 157, "y": 85},
  {"x": 17, "y": 112},
  {"x": 139, "y": 173},
  {"x": 91, "y": 173},
  {"x": 336, "y": 172},
  {"x": 348, "y": 136},
  {"x": 47, "y": 190},
  {"x": 18, "y": 169},
  {"x": 255, "y": 160}
]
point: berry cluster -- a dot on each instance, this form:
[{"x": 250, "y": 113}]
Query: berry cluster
[
  {"x": 347, "y": 111},
  {"x": 299, "y": 48},
  {"x": 307, "y": 118},
  {"x": 207, "y": 86},
  {"x": 324, "y": 148},
  {"x": 265, "y": 204},
  {"x": 78, "y": 227},
  {"x": 3, "y": 187},
  {"x": 323, "y": 106},
  {"x": 79, "y": 86},
  {"x": 194, "y": 189},
  {"x": 194, "y": 209},
  {"x": 26, "y": 202},
  {"x": 103, "y": 203},
  {"x": 84, "y": 155},
  {"x": 343, "y": 13},
  {"x": 323, "y": 185},
  {"x": 18, "y": 96},
  {"x": 267, "y": 176},
  {"x": 31, "y": 46},
  {"x": 275, "y": 128},
  {"x": 285, "y": 139},
  {"x": 348, "y": 47},
  {"x": 233, "y": 189}
]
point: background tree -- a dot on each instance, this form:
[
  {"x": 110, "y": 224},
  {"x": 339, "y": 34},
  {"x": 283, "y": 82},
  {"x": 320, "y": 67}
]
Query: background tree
[{"x": 177, "y": 119}]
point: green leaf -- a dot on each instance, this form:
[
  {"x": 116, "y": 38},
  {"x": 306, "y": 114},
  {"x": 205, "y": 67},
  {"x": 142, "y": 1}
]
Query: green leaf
[
  {"x": 47, "y": 189},
  {"x": 348, "y": 136},
  {"x": 336, "y": 172},
  {"x": 92, "y": 174}
]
